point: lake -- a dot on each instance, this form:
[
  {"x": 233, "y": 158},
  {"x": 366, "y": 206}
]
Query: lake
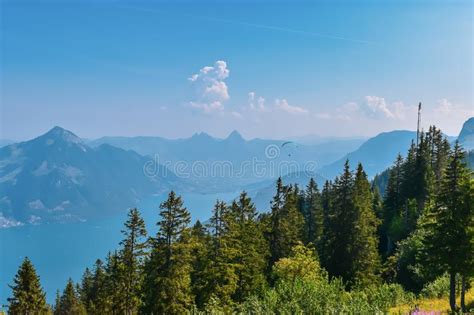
[{"x": 60, "y": 251}]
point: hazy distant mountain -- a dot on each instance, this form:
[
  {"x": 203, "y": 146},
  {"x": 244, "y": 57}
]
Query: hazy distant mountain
[
  {"x": 376, "y": 154},
  {"x": 4, "y": 142},
  {"x": 230, "y": 163},
  {"x": 466, "y": 136},
  {"x": 349, "y": 143},
  {"x": 56, "y": 177}
]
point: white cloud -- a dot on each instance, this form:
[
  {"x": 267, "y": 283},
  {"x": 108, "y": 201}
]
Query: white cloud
[
  {"x": 211, "y": 89},
  {"x": 282, "y": 104},
  {"x": 372, "y": 107},
  {"x": 256, "y": 103},
  {"x": 375, "y": 106},
  {"x": 444, "y": 107},
  {"x": 349, "y": 107},
  {"x": 400, "y": 110},
  {"x": 449, "y": 116},
  {"x": 208, "y": 107}
]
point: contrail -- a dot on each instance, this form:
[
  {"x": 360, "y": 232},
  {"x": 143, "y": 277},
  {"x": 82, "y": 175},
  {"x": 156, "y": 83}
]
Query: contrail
[{"x": 261, "y": 26}]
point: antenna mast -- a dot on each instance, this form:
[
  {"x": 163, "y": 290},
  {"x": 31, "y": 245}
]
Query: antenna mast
[{"x": 418, "y": 124}]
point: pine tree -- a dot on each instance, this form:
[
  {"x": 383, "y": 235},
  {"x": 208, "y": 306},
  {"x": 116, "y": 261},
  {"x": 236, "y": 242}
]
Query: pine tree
[
  {"x": 327, "y": 239},
  {"x": 132, "y": 253},
  {"x": 201, "y": 260},
  {"x": 248, "y": 244},
  {"x": 167, "y": 287},
  {"x": 97, "y": 299},
  {"x": 275, "y": 222},
  {"x": 339, "y": 226},
  {"x": 393, "y": 205},
  {"x": 424, "y": 178},
  {"x": 409, "y": 171},
  {"x": 287, "y": 222},
  {"x": 220, "y": 275},
  {"x": 439, "y": 151},
  {"x": 364, "y": 243},
  {"x": 28, "y": 296},
  {"x": 312, "y": 211},
  {"x": 115, "y": 284},
  {"x": 69, "y": 303},
  {"x": 448, "y": 243},
  {"x": 85, "y": 291}
]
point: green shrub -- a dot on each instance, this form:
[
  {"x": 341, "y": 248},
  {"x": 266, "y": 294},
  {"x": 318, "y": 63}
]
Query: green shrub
[
  {"x": 324, "y": 297},
  {"x": 439, "y": 288}
]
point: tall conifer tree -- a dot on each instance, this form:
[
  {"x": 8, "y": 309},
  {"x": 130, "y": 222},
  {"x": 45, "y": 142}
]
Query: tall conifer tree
[
  {"x": 132, "y": 254},
  {"x": 448, "y": 243},
  {"x": 69, "y": 303},
  {"x": 167, "y": 287},
  {"x": 28, "y": 295}
]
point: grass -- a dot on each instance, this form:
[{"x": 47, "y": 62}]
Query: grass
[{"x": 437, "y": 306}]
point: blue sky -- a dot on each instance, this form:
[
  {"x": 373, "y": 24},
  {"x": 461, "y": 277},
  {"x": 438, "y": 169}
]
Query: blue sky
[{"x": 281, "y": 69}]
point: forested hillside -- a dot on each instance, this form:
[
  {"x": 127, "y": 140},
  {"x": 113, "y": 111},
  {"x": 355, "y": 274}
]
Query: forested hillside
[{"x": 341, "y": 248}]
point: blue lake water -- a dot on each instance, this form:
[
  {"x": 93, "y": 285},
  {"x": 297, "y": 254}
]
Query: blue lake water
[{"x": 60, "y": 251}]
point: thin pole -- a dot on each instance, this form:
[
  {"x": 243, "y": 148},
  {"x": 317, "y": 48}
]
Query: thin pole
[{"x": 418, "y": 124}]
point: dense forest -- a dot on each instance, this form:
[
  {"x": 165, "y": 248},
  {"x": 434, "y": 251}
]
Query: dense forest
[{"x": 342, "y": 248}]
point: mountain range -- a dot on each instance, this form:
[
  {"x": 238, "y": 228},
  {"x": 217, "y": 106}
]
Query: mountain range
[
  {"x": 61, "y": 177},
  {"x": 376, "y": 154},
  {"x": 56, "y": 177},
  {"x": 230, "y": 163}
]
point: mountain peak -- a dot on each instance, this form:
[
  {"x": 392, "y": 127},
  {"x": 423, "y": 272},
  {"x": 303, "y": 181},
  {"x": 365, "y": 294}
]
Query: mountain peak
[
  {"x": 235, "y": 135},
  {"x": 201, "y": 135},
  {"x": 466, "y": 136},
  {"x": 60, "y": 134},
  {"x": 467, "y": 128}
]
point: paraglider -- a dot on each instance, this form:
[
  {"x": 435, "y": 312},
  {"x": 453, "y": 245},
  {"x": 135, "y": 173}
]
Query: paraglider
[{"x": 290, "y": 145}]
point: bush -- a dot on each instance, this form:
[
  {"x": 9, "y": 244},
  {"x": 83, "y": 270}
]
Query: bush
[
  {"x": 324, "y": 297},
  {"x": 439, "y": 288}
]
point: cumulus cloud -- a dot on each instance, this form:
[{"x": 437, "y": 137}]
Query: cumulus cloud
[
  {"x": 376, "y": 106},
  {"x": 371, "y": 107},
  {"x": 208, "y": 107},
  {"x": 445, "y": 107},
  {"x": 282, "y": 104},
  {"x": 256, "y": 103},
  {"x": 211, "y": 89}
]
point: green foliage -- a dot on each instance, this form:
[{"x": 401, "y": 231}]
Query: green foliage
[
  {"x": 28, "y": 296},
  {"x": 350, "y": 231},
  {"x": 220, "y": 275},
  {"x": 131, "y": 260},
  {"x": 364, "y": 242},
  {"x": 324, "y": 297},
  {"x": 438, "y": 288},
  {"x": 69, "y": 303},
  {"x": 286, "y": 222},
  {"x": 448, "y": 244},
  {"x": 246, "y": 240},
  {"x": 312, "y": 211},
  {"x": 302, "y": 264},
  {"x": 167, "y": 287}
]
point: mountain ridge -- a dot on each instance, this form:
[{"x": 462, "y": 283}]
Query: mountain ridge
[{"x": 56, "y": 177}]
